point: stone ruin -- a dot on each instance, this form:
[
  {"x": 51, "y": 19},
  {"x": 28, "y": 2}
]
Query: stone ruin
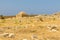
[
  {"x": 24, "y": 14},
  {"x": 21, "y": 14}
]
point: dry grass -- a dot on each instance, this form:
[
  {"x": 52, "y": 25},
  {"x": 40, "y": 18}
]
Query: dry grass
[{"x": 30, "y": 27}]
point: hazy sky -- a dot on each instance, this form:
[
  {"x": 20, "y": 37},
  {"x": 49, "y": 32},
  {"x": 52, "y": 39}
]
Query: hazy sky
[{"x": 12, "y": 7}]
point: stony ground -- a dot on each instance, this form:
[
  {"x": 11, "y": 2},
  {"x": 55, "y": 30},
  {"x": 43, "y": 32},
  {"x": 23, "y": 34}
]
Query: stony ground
[{"x": 41, "y": 27}]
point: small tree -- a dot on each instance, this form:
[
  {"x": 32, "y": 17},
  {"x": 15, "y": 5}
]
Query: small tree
[{"x": 2, "y": 17}]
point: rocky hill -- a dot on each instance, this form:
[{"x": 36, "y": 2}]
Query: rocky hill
[{"x": 30, "y": 27}]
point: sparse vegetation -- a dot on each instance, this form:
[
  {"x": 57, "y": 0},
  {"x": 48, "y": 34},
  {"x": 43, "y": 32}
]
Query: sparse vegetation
[
  {"x": 1, "y": 17},
  {"x": 29, "y": 27}
]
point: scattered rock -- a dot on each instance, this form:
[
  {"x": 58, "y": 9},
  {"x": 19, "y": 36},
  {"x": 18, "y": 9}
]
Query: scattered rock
[
  {"x": 53, "y": 28},
  {"x": 4, "y": 34},
  {"x": 34, "y": 37},
  {"x": 9, "y": 35},
  {"x": 24, "y": 39}
]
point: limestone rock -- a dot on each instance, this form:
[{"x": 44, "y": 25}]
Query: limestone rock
[
  {"x": 21, "y": 14},
  {"x": 10, "y": 35}
]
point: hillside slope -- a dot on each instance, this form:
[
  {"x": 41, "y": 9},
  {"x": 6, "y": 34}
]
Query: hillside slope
[{"x": 30, "y": 27}]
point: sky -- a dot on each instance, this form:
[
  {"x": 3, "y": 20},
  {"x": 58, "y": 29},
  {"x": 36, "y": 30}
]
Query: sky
[{"x": 13, "y": 7}]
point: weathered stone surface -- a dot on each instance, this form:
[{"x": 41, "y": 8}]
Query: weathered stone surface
[{"x": 21, "y": 14}]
